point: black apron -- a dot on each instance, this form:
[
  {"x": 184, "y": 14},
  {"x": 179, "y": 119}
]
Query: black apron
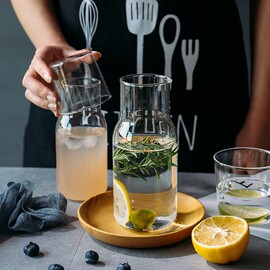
[{"x": 209, "y": 97}]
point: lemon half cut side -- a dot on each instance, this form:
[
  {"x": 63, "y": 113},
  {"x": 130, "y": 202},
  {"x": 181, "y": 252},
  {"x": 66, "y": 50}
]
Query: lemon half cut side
[
  {"x": 122, "y": 205},
  {"x": 221, "y": 239}
]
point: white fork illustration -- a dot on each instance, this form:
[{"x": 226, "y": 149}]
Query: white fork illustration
[
  {"x": 141, "y": 21},
  {"x": 190, "y": 59}
]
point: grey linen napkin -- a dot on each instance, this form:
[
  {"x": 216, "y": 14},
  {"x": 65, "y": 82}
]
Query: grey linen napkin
[{"x": 20, "y": 211}]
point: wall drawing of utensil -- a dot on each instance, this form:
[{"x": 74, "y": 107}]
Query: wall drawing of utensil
[
  {"x": 141, "y": 20},
  {"x": 169, "y": 48},
  {"x": 88, "y": 15},
  {"x": 190, "y": 58}
]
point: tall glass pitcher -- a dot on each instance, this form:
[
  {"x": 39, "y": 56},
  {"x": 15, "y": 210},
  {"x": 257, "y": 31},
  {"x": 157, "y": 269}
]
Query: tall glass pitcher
[
  {"x": 81, "y": 130},
  {"x": 145, "y": 154}
]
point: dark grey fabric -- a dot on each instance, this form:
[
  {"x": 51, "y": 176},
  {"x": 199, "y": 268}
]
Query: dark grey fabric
[{"x": 20, "y": 211}]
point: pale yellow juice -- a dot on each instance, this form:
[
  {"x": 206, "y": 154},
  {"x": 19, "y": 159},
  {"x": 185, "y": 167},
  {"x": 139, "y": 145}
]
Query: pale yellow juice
[{"x": 81, "y": 162}]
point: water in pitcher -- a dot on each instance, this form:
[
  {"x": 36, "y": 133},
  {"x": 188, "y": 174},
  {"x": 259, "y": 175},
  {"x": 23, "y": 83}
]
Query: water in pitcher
[
  {"x": 81, "y": 161},
  {"x": 145, "y": 183}
]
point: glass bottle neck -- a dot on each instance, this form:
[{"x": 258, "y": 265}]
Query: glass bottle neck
[
  {"x": 88, "y": 117},
  {"x": 141, "y": 96}
]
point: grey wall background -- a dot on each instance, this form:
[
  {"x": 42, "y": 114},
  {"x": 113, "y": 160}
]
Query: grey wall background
[
  {"x": 16, "y": 52},
  {"x": 15, "y": 55}
]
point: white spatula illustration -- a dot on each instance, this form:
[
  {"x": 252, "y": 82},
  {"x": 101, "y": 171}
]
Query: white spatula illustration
[{"x": 141, "y": 20}]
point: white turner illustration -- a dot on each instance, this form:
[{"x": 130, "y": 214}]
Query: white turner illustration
[{"x": 141, "y": 20}]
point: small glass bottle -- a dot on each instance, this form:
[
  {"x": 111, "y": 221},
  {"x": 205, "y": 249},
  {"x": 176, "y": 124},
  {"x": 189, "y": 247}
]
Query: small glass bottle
[
  {"x": 145, "y": 154},
  {"x": 81, "y": 129},
  {"x": 81, "y": 154}
]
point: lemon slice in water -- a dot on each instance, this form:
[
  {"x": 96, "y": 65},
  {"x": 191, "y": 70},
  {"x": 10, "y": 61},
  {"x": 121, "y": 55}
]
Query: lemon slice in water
[
  {"x": 249, "y": 213},
  {"x": 122, "y": 205}
]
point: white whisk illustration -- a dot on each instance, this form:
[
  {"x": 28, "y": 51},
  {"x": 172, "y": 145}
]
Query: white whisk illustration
[{"x": 88, "y": 16}]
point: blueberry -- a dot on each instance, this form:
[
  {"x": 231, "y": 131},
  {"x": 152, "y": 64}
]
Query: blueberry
[
  {"x": 56, "y": 266},
  {"x": 10, "y": 183},
  {"x": 31, "y": 249},
  {"x": 123, "y": 266},
  {"x": 91, "y": 257}
]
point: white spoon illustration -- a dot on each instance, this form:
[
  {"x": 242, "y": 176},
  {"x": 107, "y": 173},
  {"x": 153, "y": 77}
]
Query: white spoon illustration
[{"x": 169, "y": 48}]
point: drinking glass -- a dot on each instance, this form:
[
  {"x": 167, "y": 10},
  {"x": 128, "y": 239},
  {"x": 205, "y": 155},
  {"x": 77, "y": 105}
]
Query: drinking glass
[
  {"x": 145, "y": 154},
  {"x": 79, "y": 83},
  {"x": 243, "y": 183}
]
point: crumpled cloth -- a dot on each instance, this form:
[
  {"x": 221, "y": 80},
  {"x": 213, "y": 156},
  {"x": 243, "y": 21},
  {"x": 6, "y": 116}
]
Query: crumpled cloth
[{"x": 20, "y": 211}]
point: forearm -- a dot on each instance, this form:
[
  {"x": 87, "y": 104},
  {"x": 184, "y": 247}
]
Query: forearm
[
  {"x": 256, "y": 130},
  {"x": 260, "y": 96},
  {"x": 38, "y": 21}
]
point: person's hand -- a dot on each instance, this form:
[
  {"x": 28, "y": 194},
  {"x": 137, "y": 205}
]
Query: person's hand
[
  {"x": 38, "y": 78},
  {"x": 251, "y": 136}
]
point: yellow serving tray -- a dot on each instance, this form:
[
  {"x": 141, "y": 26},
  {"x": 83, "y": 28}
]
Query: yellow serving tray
[{"x": 96, "y": 217}]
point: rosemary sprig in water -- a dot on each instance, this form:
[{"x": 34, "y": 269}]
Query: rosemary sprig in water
[{"x": 143, "y": 158}]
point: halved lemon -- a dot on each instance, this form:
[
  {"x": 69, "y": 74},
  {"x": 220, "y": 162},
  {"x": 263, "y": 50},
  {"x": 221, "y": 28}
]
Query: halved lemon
[
  {"x": 249, "y": 213},
  {"x": 221, "y": 239},
  {"x": 122, "y": 205}
]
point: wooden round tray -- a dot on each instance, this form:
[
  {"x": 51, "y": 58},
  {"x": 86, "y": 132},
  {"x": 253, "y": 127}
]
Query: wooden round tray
[{"x": 96, "y": 217}]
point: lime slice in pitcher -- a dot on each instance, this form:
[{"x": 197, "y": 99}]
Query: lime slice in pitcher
[
  {"x": 122, "y": 205},
  {"x": 249, "y": 213},
  {"x": 142, "y": 219}
]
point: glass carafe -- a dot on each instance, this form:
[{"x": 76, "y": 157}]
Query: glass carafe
[
  {"x": 145, "y": 154},
  {"x": 81, "y": 129}
]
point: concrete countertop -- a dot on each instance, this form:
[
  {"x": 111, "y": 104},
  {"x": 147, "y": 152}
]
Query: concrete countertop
[{"x": 67, "y": 245}]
